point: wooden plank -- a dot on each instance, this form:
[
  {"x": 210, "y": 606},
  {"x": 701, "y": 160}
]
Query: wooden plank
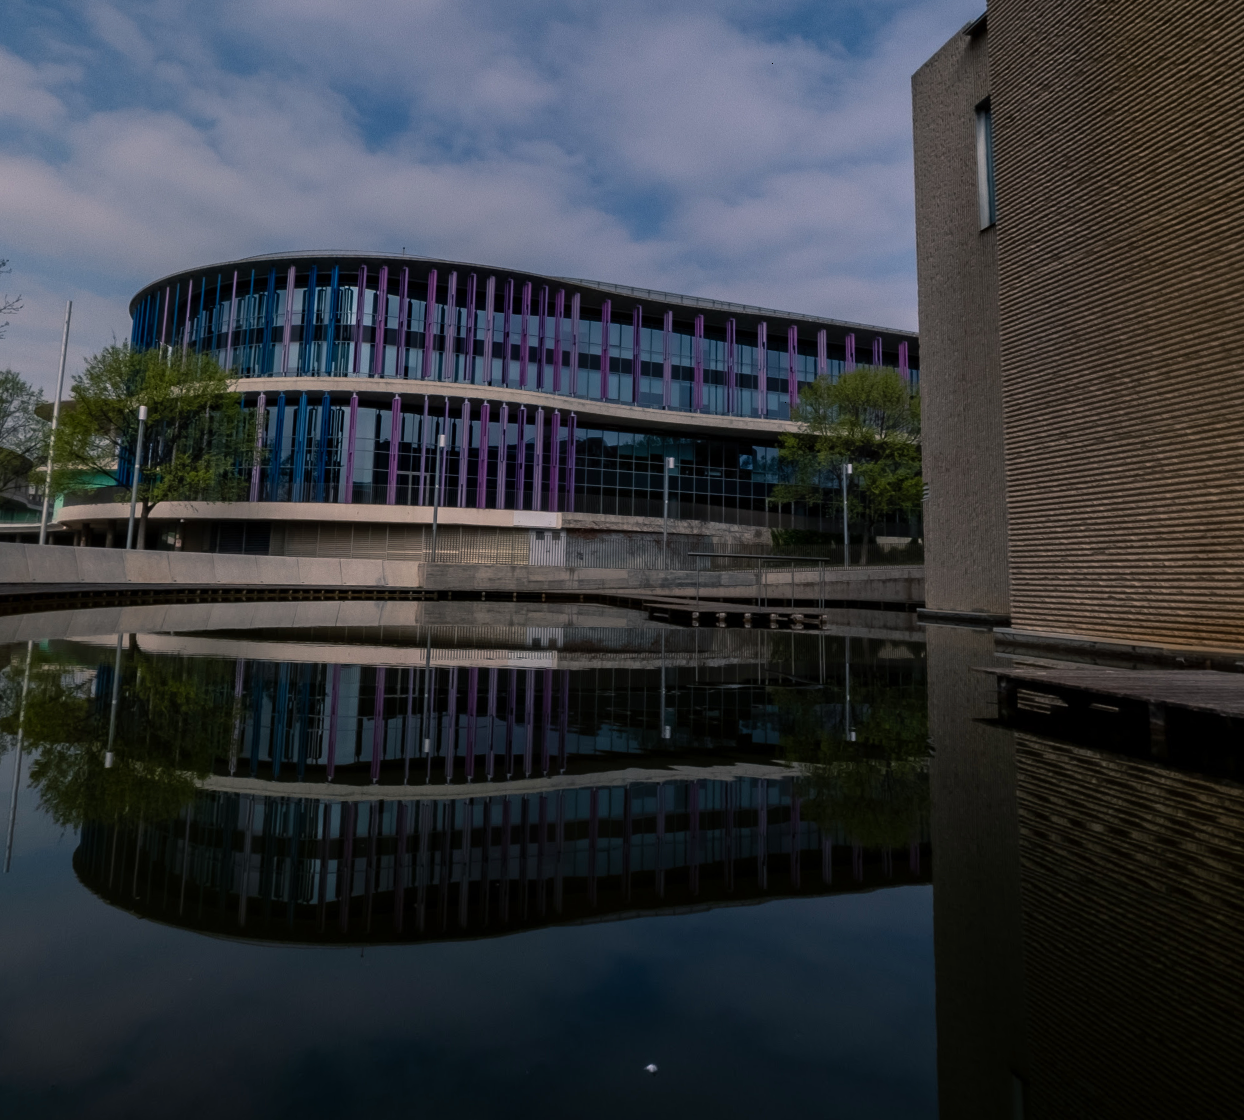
[{"x": 1202, "y": 690}]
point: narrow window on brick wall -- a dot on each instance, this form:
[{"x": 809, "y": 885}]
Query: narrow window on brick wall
[{"x": 984, "y": 165}]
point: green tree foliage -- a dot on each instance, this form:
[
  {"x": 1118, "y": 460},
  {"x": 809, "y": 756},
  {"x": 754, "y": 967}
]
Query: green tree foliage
[
  {"x": 174, "y": 718},
  {"x": 23, "y": 435},
  {"x": 867, "y": 418},
  {"x": 199, "y": 443}
]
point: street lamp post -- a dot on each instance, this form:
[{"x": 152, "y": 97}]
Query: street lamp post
[
  {"x": 436, "y": 491},
  {"x": 60, "y": 386},
  {"x": 138, "y": 458}
]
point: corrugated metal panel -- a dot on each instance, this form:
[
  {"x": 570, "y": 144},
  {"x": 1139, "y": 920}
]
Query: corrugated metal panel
[{"x": 1119, "y": 137}]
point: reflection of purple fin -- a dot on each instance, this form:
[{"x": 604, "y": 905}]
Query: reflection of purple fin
[{"x": 377, "y": 734}]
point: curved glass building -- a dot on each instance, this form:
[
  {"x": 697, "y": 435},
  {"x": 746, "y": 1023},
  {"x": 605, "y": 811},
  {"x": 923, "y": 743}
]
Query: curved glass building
[{"x": 558, "y": 403}]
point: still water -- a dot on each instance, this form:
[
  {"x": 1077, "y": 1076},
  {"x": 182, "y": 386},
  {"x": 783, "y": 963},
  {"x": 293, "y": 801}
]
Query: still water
[
  {"x": 350, "y": 857},
  {"x": 335, "y": 859}
]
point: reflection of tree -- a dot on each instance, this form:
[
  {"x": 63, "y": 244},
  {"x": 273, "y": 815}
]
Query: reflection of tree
[
  {"x": 875, "y": 789},
  {"x": 174, "y": 716}
]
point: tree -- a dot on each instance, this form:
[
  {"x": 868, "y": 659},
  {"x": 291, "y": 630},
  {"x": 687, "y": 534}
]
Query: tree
[
  {"x": 198, "y": 445},
  {"x": 7, "y": 305},
  {"x": 868, "y": 418},
  {"x": 23, "y": 435}
]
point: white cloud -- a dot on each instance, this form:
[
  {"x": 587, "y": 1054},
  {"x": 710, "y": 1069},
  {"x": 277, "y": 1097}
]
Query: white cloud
[{"x": 670, "y": 147}]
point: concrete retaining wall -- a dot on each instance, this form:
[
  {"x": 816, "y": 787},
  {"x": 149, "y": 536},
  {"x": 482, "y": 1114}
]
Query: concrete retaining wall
[{"x": 25, "y": 568}]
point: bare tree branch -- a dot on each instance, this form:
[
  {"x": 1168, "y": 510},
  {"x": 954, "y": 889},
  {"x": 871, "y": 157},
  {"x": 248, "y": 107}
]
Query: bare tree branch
[{"x": 7, "y": 306}]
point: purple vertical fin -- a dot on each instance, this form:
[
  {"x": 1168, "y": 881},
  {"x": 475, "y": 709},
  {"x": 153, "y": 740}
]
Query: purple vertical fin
[
  {"x": 637, "y": 327},
  {"x": 570, "y": 457},
  {"x": 449, "y": 443},
  {"x": 351, "y": 433},
  {"x": 520, "y": 469},
  {"x": 792, "y": 372},
  {"x": 423, "y": 454},
  {"x": 381, "y": 328},
  {"x": 667, "y": 387},
  {"x": 524, "y": 336},
  {"x": 904, "y": 368},
  {"x": 429, "y": 325},
  {"x": 403, "y": 291},
  {"x": 542, "y": 339},
  {"x": 502, "y": 455},
  {"x": 606, "y": 310},
  {"x": 555, "y": 449},
  {"x": 574, "y": 344},
  {"x": 537, "y": 466},
  {"x": 877, "y": 351},
  {"x": 762, "y": 369},
  {"x": 849, "y": 346},
  {"x": 822, "y": 352},
  {"x": 507, "y": 326},
  {"x": 559, "y": 314},
  {"x": 464, "y": 451},
  {"x": 697, "y": 391},
  {"x": 449, "y": 367},
  {"x": 732, "y": 403},
  {"x": 481, "y": 484},
  {"x": 360, "y": 307},
  {"x": 164, "y": 319},
  {"x": 490, "y": 304},
  {"x": 468, "y": 347},
  {"x": 395, "y": 436}
]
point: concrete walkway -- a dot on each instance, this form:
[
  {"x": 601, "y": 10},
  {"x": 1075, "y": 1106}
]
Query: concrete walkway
[{"x": 27, "y": 570}]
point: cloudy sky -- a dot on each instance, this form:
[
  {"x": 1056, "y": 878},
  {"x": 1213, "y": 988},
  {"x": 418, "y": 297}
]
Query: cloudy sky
[{"x": 756, "y": 150}]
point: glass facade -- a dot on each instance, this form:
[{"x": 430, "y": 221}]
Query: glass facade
[
  {"x": 326, "y": 320},
  {"x": 499, "y": 457}
]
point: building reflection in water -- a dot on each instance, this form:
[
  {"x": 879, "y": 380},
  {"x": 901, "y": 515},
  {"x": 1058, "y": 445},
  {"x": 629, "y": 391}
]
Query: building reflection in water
[
  {"x": 382, "y": 870},
  {"x": 1088, "y": 916},
  {"x": 324, "y": 784}
]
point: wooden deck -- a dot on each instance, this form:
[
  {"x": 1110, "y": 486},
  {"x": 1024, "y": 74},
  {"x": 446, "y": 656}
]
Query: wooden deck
[{"x": 1157, "y": 690}]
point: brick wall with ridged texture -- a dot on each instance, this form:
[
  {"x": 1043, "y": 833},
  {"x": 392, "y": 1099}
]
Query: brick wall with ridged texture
[
  {"x": 1119, "y": 143},
  {"x": 960, "y": 376}
]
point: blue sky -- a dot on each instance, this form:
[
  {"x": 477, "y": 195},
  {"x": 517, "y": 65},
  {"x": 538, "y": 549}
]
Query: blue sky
[{"x": 758, "y": 151}]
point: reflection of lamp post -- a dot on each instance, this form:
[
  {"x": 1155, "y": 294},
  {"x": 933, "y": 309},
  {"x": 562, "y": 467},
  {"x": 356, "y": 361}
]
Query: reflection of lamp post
[
  {"x": 17, "y": 764},
  {"x": 116, "y": 697},
  {"x": 665, "y": 512},
  {"x": 60, "y": 385},
  {"x": 846, "y": 533},
  {"x": 138, "y": 458},
  {"x": 436, "y": 491},
  {"x": 665, "y": 727}
]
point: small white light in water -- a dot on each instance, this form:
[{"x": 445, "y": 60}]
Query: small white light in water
[
  {"x": 665, "y": 731},
  {"x": 650, "y": 1068},
  {"x": 108, "y": 760},
  {"x": 427, "y": 746}
]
